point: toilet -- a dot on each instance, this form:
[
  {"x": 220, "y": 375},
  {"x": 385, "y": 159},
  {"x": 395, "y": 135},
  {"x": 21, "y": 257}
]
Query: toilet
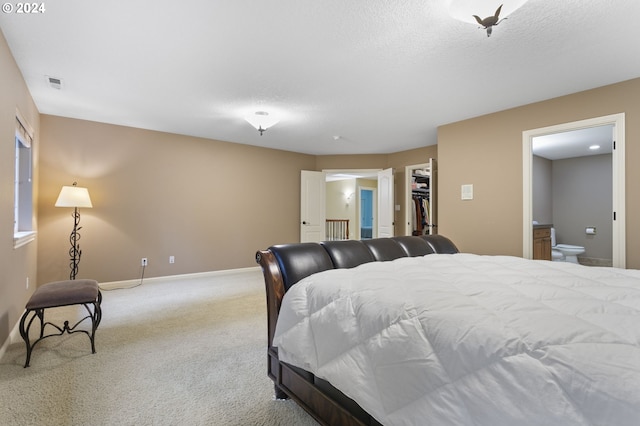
[{"x": 564, "y": 252}]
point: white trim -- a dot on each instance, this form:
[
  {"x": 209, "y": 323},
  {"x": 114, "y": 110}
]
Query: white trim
[
  {"x": 113, "y": 285},
  {"x": 371, "y": 172},
  {"x": 27, "y": 126},
  {"x": 618, "y": 160},
  {"x": 13, "y": 337},
  {"x": 23, "y": 238}
]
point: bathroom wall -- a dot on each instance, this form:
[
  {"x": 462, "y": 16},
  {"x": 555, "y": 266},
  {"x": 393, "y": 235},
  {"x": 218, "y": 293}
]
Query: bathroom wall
[
  {"x": 581, "y": 197},
  {"x": 541, "y": 184}
]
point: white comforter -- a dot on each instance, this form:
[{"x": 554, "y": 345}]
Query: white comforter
[{"x": 472, "y": 340}]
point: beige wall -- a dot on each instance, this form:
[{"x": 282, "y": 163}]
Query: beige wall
[
  {"x": 351, "y": 162},
  {"x": 16, "y": 265},
  {"x": 210, "y": 204},
  {"x": 487, "y": 152}
]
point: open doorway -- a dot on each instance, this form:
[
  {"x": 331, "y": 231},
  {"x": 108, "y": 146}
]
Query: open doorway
[
  {"x": 572, "y": 192},
  {"x": 344, "y": 200},
  {"x": 614, "y": 221},
  {"x": 366, "y": 222},
  {"x": 320, "y": 207}
]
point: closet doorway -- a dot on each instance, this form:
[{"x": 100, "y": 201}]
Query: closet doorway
[
  {"x": 421, "y": 198},
  {"x": 614, "y": 122}
]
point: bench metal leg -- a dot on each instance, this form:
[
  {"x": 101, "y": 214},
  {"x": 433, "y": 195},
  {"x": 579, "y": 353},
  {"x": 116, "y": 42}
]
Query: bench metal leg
[
  {"x": 95, "y": 316},
  {"x": 25, "y": 332}
]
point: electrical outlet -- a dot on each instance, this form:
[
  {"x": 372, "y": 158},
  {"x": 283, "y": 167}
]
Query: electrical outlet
[
  {"x": 143, "y": 262},
  {"x": 172, "y": 259}
]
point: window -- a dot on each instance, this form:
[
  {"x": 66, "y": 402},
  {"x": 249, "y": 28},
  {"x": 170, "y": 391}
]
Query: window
[{"x": 23, "y": 191}]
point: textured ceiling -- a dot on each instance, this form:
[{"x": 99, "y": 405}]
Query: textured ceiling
[{"x": 381, "y": 75}]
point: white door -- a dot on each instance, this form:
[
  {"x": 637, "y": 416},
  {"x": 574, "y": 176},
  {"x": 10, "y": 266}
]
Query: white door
[
  {"x": 385, "y": 203},
  {"x": 312, "y": 206}
]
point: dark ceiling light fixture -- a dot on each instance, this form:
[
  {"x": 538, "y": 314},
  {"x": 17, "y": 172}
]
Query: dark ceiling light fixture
[
  {"x": 494, "y": 11},
  {"x": 489, "y": 22}
]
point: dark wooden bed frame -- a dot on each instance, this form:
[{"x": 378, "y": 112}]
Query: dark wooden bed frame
[{"x": 286, "y": 264}]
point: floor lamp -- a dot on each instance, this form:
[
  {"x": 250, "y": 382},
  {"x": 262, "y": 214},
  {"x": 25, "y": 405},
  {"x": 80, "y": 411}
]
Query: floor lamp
[{"x": 74, "y": 196}]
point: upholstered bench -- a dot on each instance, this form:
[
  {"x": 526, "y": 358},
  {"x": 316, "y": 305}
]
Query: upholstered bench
[{"x": 57, "y": 294}]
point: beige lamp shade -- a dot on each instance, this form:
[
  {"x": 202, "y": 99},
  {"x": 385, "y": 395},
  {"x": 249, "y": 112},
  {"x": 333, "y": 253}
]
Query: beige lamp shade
[{"x": 74, "y": 196}]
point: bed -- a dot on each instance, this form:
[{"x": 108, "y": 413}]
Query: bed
[{"x": 407, "y": 330}]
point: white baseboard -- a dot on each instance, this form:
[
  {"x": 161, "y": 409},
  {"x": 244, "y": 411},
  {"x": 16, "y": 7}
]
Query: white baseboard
[
  {"x": 133, "y": 283},
  {"x": 14, "y": 336}
]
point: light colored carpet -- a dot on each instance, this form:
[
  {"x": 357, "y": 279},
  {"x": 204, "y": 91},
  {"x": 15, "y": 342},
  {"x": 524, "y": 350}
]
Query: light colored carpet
[{"x": 189, "y": 351}]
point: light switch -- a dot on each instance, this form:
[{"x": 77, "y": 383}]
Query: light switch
[{"x": 467, "y": 192}]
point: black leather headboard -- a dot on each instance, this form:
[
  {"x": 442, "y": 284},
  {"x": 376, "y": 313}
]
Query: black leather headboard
[
  {"x": 298, "y": 261},
  {"x": 385, "y": 249},
  {"x": 414, "y": 246},
  {"x": 348, "y": 253},
  {"x": 441, "y": 244}
]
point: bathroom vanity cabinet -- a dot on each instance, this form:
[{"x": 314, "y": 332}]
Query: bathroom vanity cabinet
[{"x": 542, "y": 242}]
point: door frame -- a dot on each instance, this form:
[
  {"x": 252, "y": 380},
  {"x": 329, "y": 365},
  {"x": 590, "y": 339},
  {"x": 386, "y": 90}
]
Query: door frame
[{"x": 618, "y": 178}]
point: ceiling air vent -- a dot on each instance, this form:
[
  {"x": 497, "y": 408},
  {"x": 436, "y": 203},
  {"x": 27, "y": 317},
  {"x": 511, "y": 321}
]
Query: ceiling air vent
[{"x": 54, "y": 82}]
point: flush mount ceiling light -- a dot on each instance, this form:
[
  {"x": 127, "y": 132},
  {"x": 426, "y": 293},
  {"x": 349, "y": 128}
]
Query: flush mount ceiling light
[
  {"x": 261, "y": 120},
  {"x": 486, "y": 13}
]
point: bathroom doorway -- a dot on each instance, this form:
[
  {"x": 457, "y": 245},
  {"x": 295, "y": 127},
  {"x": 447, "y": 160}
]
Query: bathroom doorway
[
  {"x": 608, "y": 199},
  {"x": 366, "y": 212}
]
